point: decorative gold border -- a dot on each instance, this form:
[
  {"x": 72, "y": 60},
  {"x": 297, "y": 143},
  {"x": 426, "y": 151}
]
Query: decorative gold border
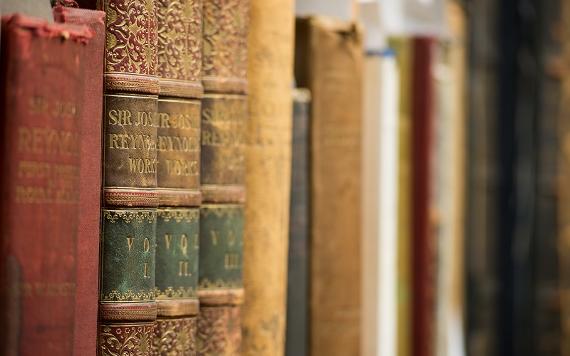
[
  {"x": 129, "y": 216},
  {"x": 212, "y": 193},
  {"x": 129, "y": 295},
  {"x": 171, "y": 293},
  {"x": 189, "y": 215},
  {"x": 221, "y": 210},
  {"x": 206, "y": 284}
]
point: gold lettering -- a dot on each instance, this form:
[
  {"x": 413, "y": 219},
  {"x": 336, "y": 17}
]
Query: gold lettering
[
  {"x": 184, "y": 244},
  {"x": 146, "y": 245},
  {"x": 231, "y": 261},
  {"x": 183, "y": 269},
  {"x": 231, "y": 238},
  {"x": 130, "y": 242},
  {"x": 146, "y": 270},
  {"x": 167, "y": 240},
  {"x": 214, "y": 236}
]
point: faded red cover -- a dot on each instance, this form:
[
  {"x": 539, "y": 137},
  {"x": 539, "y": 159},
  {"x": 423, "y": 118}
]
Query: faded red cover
[
  {"x": 85, "y": 335},
  {"x": 423, "y": 244},
  {"x": 41, "y": 203}
]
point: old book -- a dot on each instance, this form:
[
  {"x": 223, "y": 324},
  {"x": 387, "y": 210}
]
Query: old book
[
  {"x": 448, "y": 183},
  {"x": 403, "y": 49},
  {"x": 179, "y": 56},
  {"x": 546, "y": 316},
  {"x": 563, "y": 175},
  {"x": 85, "y": 334},
  {"x": 423, "y": 241},
  {"x": 128, "y": 307},
  {"x": 329, "y": 61},
  {"x": 297, "y": 331},
  {"x": 220, "y": 284},
  {"x": 482, "y": 238},
  {"x": 223, "y": 119},
  {"x": 379, "y": 197},
  {"x": 268, "y": 167},
  {"x": 225, "y": 29},
  {"x": 44, "y": 111}
]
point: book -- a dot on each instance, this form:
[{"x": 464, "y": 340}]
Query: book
[
  {"x": 128, "y": 308},
  {"x": 85, "y": 333},
  {"x": 380, "y": 204},
  {"x": 179, "y": 66},
  {"x": 402, "y": 46},
  {"x": 43, "y": 153},
  {"x": 297, "y": 329},
  {"x": 329, "y": 62},
  {"x": 448, "y": 183},
  {"x": 547, "y": 320},
  {"x": 220, "y": 284},
  {"x": 224, "y": 118},
  {"x": 563, "y": 174},
  {"x": 482, "y": 238},
  {"x": 268, "y": 169},
  {"x": 424, "y": 250}
]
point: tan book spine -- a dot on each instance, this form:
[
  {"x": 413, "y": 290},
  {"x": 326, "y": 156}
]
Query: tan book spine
[
  {"x": 329, "y": 61},
  {"x": 268, "y": 167}
]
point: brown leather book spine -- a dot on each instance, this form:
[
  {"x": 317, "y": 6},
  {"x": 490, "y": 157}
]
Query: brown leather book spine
[
  {"x": 424, "y": 248},
  {"x": 43, "y": 127},
  {"x": 85, "y": 333},
  {"x": 179, "y": 55},
  {"x": 224, "y": 68},
  {"x": 223, "y": 119},
  {"x": 128, "y": 308},
  {"x": 329, "y": 61},
  {"x": 268, "y": 167}
]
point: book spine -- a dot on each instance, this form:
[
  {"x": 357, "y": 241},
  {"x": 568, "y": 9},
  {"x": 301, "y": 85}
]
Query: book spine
[
  {"x": 424, "y": 246},
  {"x": 297, "y": 332},
  {"x": 329, "y": 61},
  {"x": 128, "y": 308},
  {"x": 85, "y": 333},
  {"x": 225, "y": 46},
  {"x": 268, "y": 162},
  {"x": 42, "y": 132},
  {"x": 220, "y": 288},
  {"x": 563, "y": 176},
  {"x": 224, "y": 116},
  {"x": 179, "y": 56}
]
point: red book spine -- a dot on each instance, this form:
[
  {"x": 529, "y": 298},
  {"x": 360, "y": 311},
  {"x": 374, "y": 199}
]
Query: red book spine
[
  {"x": 423, "y": 244},
  {"x": 87, "y": 299},
  {"x": 42, "y": 81}
]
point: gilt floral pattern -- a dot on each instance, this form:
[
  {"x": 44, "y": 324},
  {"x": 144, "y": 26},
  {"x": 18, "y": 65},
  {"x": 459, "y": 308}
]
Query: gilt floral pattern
[
  {"x": 180, "y": 39},
  {"x": 126, "y": 340},
  {"x": 219, "y": 331},
  {"x": 131, "y": 37},
  {"x": 225, "y": 39},
  {"x": 175, "y": 337}
]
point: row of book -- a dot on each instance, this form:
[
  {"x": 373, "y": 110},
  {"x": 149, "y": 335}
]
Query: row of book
[{"x": 127, "y": 129}]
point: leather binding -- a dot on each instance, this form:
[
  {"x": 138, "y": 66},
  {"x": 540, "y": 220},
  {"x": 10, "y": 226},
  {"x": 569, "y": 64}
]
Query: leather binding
[
  {"x": 224, "y": 66},
  {"x": 423, "y": 241},
  {"x": 482, "y": 216},
  {"x": 43, "y": 127},
  {"x": 223, "y": 121},
  {"x": 297, "y": 332},
  {"x": 220, "y": 288},
  {"x": 329, "y": 61},
  {"x": 127, "y": 293},
  {"x": 85, "y": 334},
  {"x": 130, "y": 163},
  {"x": 177, "y": 246},
  {"x": 268, "y": 178},
  {"x": 179, "y": 55}
]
